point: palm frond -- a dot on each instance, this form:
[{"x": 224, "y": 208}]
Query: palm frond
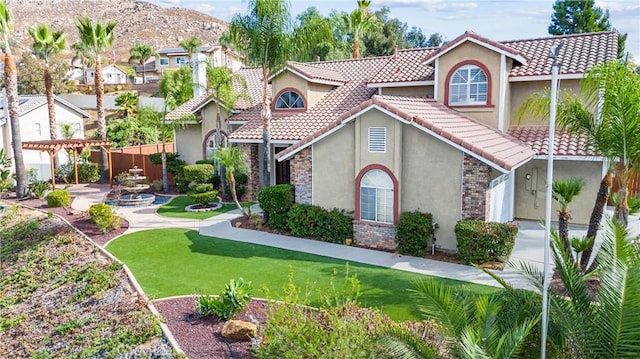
[
  {"x": 402, "y": 344},
  {"x": 438, "y": 302}
]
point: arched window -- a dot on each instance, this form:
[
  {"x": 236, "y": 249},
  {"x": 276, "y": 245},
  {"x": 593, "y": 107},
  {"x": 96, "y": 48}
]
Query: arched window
[
  {"x": 213, "y": 142},
  {"x": 289, "y": 100},
  {"x": 376, "y": 197},
  {"x": 468, "y": 85}
]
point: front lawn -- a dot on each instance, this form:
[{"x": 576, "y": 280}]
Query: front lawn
[
  {"x": 169, "y": 262},
  {"x": 175, "y": 209}
]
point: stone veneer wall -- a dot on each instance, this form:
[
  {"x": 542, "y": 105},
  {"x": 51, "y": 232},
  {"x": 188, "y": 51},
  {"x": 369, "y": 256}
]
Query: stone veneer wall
[
  {"x": 301, "y": 175},
  {"x": 475, "y": 180},
  {"x": 253, "y": 170},
  {"x": 374, "y": 235}
]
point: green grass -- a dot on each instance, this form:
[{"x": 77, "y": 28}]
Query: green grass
[
  {"x": 168, "y": 262},
  {"x": 175, "y": 209}
]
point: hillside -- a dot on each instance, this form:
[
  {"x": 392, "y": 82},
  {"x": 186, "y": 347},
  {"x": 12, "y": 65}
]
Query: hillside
[{"x": 137, "y": 21}]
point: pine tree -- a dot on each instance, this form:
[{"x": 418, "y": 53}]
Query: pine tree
[{"x": 578, "y": 16}]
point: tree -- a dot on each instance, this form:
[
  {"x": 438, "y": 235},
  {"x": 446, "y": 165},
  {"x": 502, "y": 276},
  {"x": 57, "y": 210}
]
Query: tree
[
  {"x": 177, "y": 85},
  {"x": 47, "y": 43},
  {"x": 270, "y": 39},
  {"x": 309, "y": 21},
  {"x": 97, "y": 38},
  {"x": 578, "y": 16},
  {"x": 389, "y": 32},
  {"x": 82, "y": 54},
  {"x": 417, "y": 39},
  {"x": 358, "y": 23},
  {"x": 233, "y": 160},
  {"x": 563, "y": 192},
  {"x": 30, "y": 75},
  {"x": 141, "y": 53},
  {"x": 128, "y": 103},
  {"x": 191, "y": 46},
  {"x": 11, "y": 85}
]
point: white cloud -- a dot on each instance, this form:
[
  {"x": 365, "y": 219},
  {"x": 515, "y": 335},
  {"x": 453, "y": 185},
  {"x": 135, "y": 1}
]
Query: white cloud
[
  {"x": 428, "y": 5},
  {"x": 170, "y": 2},
  {"x": 204, "y": 8},
  {"x": 632, "y": 6}
]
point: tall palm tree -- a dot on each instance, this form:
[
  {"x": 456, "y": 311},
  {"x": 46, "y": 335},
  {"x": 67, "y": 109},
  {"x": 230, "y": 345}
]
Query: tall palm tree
[
  {"x": 81, "y": 54},
  {"x": 47, "y": 43},
  {"x": 358, "y": 22},
  {"x": 563, "y": 192},
  {"x": 141, "y": 53},
  {"x": 191, "y": 46},
  {"x": 96, "y": 39},
  {"x": 233, "y": 160},
  {"x": 269, "y": 39},
  {"x": 11, "y": 85}
]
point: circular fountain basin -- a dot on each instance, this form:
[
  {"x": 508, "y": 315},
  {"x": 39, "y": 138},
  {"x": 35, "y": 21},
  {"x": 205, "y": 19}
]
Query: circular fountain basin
[{"x": 136, "y": 199}]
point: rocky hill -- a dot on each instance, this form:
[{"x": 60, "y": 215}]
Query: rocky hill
[{"x": 137, "y": 21}]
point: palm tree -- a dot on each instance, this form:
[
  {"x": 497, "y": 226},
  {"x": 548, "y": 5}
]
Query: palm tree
[
  {"x": 45, "y": 45},
  {"x": 358, "y": 23},
  {"x": 96, "y": 39},
  {"x": 191, "y": 46},
  {"x": 141, "y": 53},
  {"x": 11, "y": 85},
  {"x": 563, "y": 191},
  {"x": 269, "y": 39},
  {"x": 85, "y": 58},
  {"x": 233, "y": 160}
]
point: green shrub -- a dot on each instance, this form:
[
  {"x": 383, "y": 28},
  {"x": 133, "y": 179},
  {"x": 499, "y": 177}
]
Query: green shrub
[
  {"x": 316, "y": 222},
  {"x": 481, "y": 242},
  {"x": 205, "y": 162},
  {"x": 278, "y": 221},
  {"x": 102, "y": 215},
  {"x": 276, "y": 199},
  {"x": 87, "y": 172},
  {"x": 174, "y": 164},
  {"x": 233, "y": 299},
  {"x": 59, "y": 198},
  {"x": 203, "y": 198},
  {"x": 198, "y": 173},
  {"x": 38, "y": 188},
  {"x": 201, "y": 187},
  {"x": 414, "y": 233},
  {"x": 242, "y": 179}
]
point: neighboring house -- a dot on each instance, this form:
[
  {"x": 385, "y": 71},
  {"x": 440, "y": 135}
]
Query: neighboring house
[
  {"x": 34, "y": 126},
  {"x": 111, "y": 74},
  {"x": 149, "y": 70},
  {"x": 423, "y": 129},
  {"x": 175, "y": 57}
]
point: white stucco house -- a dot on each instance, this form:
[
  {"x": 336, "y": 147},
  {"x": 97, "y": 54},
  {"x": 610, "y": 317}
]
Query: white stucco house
[{"x": 111, "y": 74}]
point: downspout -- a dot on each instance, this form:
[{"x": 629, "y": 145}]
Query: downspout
[
  {"x": 435, "y": 80},
  {"x": 503, "y": 93}
]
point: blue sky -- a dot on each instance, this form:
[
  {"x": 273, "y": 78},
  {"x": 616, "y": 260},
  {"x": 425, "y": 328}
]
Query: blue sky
[{"x": 495, "y": 19}]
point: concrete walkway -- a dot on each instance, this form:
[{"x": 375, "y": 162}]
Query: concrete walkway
[{"x": 528, "y": 248}]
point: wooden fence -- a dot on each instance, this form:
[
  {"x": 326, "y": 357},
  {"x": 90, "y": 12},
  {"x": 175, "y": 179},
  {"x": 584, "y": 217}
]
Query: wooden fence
[
  {"x": 634, "y": 186},
  {"x": 123, "y": 159}
]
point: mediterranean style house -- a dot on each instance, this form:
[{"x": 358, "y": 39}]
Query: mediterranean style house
[{"x": 430, "y": 129}]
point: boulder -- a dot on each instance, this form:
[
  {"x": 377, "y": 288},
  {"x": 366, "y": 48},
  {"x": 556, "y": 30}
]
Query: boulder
[{"x": 238, "y": 330}]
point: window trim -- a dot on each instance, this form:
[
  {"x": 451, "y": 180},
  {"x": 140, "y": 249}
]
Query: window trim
[
  {"x": 384, "y": 139},
  {"x": 282, "y": 92},
  {"x": 396, "y": 193},
  {"x": 453, "y": 70}
]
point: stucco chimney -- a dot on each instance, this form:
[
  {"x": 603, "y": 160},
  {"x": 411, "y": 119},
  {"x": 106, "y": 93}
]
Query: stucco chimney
[
  {"x": 317, "y": 58},
  {"x": 199, "y": 66},
  {"x": 395, "y": 51}
]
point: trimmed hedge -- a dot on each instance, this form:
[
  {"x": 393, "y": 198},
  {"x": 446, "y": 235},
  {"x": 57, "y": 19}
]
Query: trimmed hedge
[
  {"x": 481, "y": 242},
  {"x": 413, "y": 233},
  {"x": 59, "y": 198},
  {"x": 315, "y": 222},
  {"x": 202, "y": 197},
  {"x": 276, "y": 201},
  {"x": 198, "y": 173}
]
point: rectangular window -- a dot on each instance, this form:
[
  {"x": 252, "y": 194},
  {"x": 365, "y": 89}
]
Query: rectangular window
[
  {"x": 181, "y": 60},
  {"x": 368, "y": 203},
  {"x": 78, "y": 128},
  {"x": 38, "y": 129},
  {"x": 164, "y": 61},
  {"x": 377, "y": 139}
]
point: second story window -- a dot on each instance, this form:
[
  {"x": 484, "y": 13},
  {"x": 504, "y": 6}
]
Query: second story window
[
  {"x": 164, "y": 61},
  {"x": 181, "y": 60},
  {"x": 289, "y": 100},
  {"x": 468, "y": 86}
]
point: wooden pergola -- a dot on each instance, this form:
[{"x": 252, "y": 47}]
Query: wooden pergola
[{"x": 75, "y": 146}]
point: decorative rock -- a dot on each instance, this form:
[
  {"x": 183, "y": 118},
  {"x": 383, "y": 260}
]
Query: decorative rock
[{"x": 239, "y": 330}]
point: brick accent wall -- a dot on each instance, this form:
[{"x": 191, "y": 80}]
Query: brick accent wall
[
  {"x": 301, "y": 175},
  {"x": 253, "y": 170},
  {"x": 374, "y": 235},
  {"x": 475, "y": 179}
]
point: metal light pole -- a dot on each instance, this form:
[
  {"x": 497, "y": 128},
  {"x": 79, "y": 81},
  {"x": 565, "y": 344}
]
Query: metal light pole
[{"x": 554, "y": 51}]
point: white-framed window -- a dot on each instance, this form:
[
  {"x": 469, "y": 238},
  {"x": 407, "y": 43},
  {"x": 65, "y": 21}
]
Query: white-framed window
[
  {"x": 378, "y": 139},
  {"x": 289, "y": 100},
  {"x": 181, "y": 60},
  {"x": 38, "y": 129},
  {"x": 78, "y": 127},
  {"x": 164, "y": 61},
  {"x": 376, "y": 197},
  {"x": 468, "y": 86},
  {"x": 214, "y": 141}
]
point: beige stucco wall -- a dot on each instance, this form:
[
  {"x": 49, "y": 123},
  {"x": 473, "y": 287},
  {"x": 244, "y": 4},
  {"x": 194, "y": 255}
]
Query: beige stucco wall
[
  {"x": 208, "y": 123},
  {"x": 315, "y": 92},
  {"x": 490, "y": 59},
  {"x": 520, "y": 91},
  {"x": 409, "y": 91},
  {"x": 432, "y": 183},
  {"x": 530, "y": 204},
  {"x": 312, "y": 92},
  {"x": 189, "y": 143},
  {"x": 333, "y": 170},
  {"x": 365, "y": 158}
]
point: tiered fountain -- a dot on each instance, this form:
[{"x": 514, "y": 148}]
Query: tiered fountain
[{"x": 134, "y": 187}]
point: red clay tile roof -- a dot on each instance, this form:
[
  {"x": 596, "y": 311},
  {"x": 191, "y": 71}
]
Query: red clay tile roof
[
  {"x": 316, "y": 73},
  {"x": 478, "y": 139},
  {"x": 578, "y": 54},
  {"x": 564, "y": 143},
  {"x": 407, "y": 66},
  {"x": 288, "y": 127},
  {"x": 515, "y": 53}
]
